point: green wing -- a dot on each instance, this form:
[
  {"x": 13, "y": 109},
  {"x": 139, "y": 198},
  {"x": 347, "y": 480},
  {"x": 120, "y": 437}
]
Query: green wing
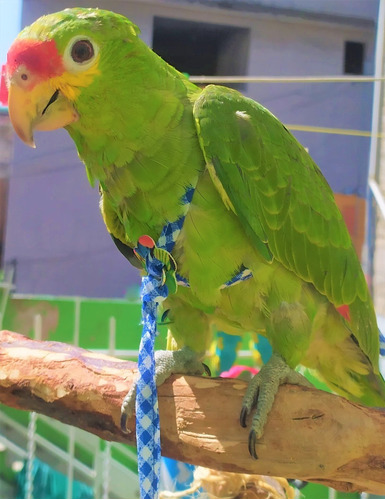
[{"x": 283, "y": 202}]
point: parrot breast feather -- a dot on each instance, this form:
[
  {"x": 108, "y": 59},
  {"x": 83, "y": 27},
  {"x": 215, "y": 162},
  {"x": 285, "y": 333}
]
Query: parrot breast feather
[{"x": 283, "y": 201}]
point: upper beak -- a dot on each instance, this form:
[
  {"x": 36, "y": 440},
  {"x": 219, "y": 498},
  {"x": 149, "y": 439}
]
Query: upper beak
[{"x": 39, "y": 108}]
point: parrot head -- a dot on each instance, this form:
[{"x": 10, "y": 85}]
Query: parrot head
[{"x": 56, "y": 60}]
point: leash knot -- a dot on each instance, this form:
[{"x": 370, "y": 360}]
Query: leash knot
[{"x": 160, "y": 267}]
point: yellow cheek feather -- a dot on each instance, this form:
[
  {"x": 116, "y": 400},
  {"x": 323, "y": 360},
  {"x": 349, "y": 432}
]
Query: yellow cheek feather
[{"x": 70, "y": 83}]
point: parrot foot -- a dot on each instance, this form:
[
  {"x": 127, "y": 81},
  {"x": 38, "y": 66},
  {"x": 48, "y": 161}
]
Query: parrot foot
[
  {"x": 184, "y": 361},
  {"x": 262, "y": 390}
]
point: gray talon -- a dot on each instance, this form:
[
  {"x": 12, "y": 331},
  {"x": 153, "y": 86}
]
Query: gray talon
[
  {"x": 243, "y": 416},
  {"x": 128, "y": 407},
  {"x": 262, "y": 390},
  {"x": 167, "y": 363},
  {"x": 123, "y": 422},
  {"x": 252, "y": 443},
  {"x": 206, "y": 369}
]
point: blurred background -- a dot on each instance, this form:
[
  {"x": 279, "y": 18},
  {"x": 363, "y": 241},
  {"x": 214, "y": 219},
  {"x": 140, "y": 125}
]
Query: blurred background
[{"x": 317, "y": 65}]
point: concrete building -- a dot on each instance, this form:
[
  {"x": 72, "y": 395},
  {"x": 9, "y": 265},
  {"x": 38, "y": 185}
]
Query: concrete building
[{"x": 54, "y": 231}]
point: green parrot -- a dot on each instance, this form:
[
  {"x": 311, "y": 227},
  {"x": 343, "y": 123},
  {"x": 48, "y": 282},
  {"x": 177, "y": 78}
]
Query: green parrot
[{"x": 146, "y": 134}]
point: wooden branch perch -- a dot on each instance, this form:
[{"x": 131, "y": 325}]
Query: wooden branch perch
[{"x": 310, "y": 435}]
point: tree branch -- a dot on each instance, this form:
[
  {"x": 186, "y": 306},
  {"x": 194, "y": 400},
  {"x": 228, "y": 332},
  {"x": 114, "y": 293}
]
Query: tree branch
[{"x": 310, "y": 435}]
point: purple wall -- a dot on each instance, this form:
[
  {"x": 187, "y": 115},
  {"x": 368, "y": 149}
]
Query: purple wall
[{"x": 55, "y": 232}]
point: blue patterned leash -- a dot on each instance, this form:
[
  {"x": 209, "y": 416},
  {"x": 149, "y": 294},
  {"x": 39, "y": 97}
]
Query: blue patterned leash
[{"x": 159, "y": 282}]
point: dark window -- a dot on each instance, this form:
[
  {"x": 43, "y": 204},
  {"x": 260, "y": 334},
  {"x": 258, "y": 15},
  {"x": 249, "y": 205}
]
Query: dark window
[
  {"x": 200, "y": 48},
  {"x": 354, "y": 58}
]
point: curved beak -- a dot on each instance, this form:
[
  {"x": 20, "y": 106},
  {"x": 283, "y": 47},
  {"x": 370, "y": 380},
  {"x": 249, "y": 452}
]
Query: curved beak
[{"x": 39, "y": 108}]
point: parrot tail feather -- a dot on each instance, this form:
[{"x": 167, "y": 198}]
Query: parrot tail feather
[
  {"x": 373, "y": 389},
  {"x": 347, "y": 370},
  {"x": 364, "y": 388}
]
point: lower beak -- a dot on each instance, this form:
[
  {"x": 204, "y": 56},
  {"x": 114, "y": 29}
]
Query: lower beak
[{"x": 38, "y": 109}]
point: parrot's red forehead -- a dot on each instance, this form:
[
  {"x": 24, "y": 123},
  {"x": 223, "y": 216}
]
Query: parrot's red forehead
[{"x": 40, "y": 57}]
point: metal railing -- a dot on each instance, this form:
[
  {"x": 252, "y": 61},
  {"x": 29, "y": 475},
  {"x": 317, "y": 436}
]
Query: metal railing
[{"x": 107, "y": 476}]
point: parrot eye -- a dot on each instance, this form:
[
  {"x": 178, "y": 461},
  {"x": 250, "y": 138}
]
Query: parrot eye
[
  {"x": 82, "y": 51},
  {"x": 80, "y": 54}
]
